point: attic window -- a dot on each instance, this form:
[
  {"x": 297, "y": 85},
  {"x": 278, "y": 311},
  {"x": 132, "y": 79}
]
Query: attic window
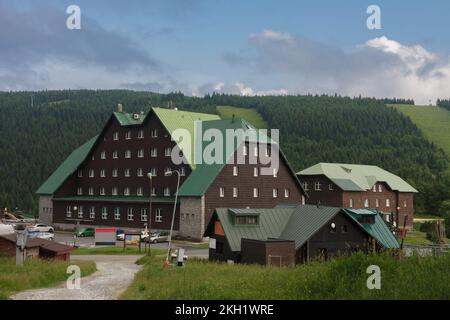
[{"x": 246, "y": 220}]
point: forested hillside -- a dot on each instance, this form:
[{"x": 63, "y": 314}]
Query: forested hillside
[{"x": 36, "y": 136}]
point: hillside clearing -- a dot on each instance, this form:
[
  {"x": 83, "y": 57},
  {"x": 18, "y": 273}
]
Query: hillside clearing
[
  {"x": 251, "y": 115},
  {"x": 434, "y": 122}
]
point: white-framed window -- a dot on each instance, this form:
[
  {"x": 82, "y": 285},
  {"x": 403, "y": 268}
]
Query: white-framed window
[
  {"x": 153, "y": 191},
  {"x": 140, "y": 134},
  {"x": 115, "y": 172},
  {"x": 93, "y": 157},
  {"x": 102, "y": 173},
  {"x": 377, "y": 203},
  {"x": 167, "y": 192},
  {"x": 374, "y": 188},
  {"x": 92, "y": 212},
  {"x": 102, "y": 191},
  {"x": 330, "y": 187},
  {"x": 182, "y": 171},
  {"x": 117, "y": 213},
  {"x": 380, "y": 188},
  {"x": 168, "y": 152},
  {"x": 140, "y": 172},
  {"x": 275, "y": 172},
  {"x": 80, "y": 191},
  {"x": 255, "y": 172},
  {"x": 126, "y": 191},
  {"x": 388, "y": 203},
  {"x": 143, "y": 214},
  {"x": 128, "y": 154},
  {"x": 153, "y": 171},
  {"x": 255, "y": 192},
  {"x": 166, "y": 170},
  {"x": 405, "y": 203},
  {"x": 286, "y": 193},
  {"x": 116, "y": 136},
  {"x": 235, "y": 171},
  {"x": 366, "y": 203},
  {"x": 80, "y": 211},
  {"x": 317, "y": 186},
  {"x": 80, "y": 173},
  {"x": 305, "y": 186},
  {"x": 275, "y": 193},
  {"x": 104, "y": 213},
  {"x": 91, "y": 173},
  {"x": 350, "y": 203},
  {"x": 115, "y": 154},
  {"x": 103, "y": 155},
  {"x": 91, "y": 191},
  {"x": 130, "y": 214},
  {"x": 127, "y": 172},
  {"x": 158, "y": 215},
  {"x": 222, "y": 192},
  {"x": 140, "y": 153},
  {"x": 154, "y": 133},
  {"x": 153, "y": 152},
  {"x": 68, "y": 211},
  {"x": 235, "y": 192},
  {"x": 128, "y": 135},
  {"x": 139, "y": 191},
  {"x": 245, "y": 150}
]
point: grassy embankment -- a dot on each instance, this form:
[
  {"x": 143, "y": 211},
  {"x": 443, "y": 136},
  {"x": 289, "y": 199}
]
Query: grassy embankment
[
  {"x": 250, "y": 115},
  {"x": 35, "y": 273},
  {"x": 344, "y": 278}
]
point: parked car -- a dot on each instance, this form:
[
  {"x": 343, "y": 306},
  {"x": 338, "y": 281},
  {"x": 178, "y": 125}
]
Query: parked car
[
  {"x": 159, "y": 237},
  {"x": 120, "y": 236},
  {"x": 86, "y": 232},
  {"x": 42, "y": 228},
  {"x": 46, "y": 235}
]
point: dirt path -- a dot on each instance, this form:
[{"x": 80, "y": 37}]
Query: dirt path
[{"x": 113, "y": 275}]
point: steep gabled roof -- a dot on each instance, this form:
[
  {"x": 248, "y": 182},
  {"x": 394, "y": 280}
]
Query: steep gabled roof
[
  {"x": 69, "y": 165},
  {"x": 298, "y": 224},
  {"x": 353, "y": 177}
]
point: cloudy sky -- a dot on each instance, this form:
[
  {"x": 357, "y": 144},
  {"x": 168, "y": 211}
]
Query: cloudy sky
[{"x": 251, "y": 47}]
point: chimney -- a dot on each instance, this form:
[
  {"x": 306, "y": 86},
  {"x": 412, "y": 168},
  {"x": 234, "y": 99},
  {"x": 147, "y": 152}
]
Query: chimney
[{"x": 119, "y": 108}]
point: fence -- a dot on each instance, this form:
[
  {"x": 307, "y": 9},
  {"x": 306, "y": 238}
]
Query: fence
[{"x": 430, "y": 250}]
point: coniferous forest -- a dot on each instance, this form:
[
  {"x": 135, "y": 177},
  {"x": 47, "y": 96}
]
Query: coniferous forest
[{"x": 39, "y": 129}]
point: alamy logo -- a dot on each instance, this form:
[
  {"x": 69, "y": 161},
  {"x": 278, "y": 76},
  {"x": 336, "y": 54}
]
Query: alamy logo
[
  {"x": 73, "y": 21},
  {"x": 374, "y": 20},
  {"x": 212, "y": 146},
  {"x": 374, "y": 280},
  {"x": 74, "y": 280}
]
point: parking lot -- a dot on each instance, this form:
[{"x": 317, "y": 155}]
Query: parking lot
[{"x": 68, "y": 238}]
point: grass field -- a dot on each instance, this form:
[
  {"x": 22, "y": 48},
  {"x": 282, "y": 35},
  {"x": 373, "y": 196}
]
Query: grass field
[
  {"x": 35, "y": 273},
  {"x": 344, "y": 278},
  {"x": 114, "y": 251},
  {"x": 251, "y": 115},
  {"x": 434, "y": 122}
]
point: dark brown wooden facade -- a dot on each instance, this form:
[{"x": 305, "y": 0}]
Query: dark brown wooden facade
[{"x": 381, "y": 197}]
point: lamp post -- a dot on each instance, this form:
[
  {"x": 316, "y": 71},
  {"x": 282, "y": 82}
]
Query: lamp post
[
  {"x": 149, "y": 216},
  {"x": 169, "y": 249},
  {"x": 75, "y": 208}
]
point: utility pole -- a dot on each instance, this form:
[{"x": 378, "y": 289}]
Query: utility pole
[
  {"x": 150, "y": 177},
  {"x": 20, "y": 243},
  {"x": 169, "y": 173}
]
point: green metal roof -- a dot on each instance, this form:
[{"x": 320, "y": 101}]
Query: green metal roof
[
  {"x": 270, "y": 225},
  {"x": 378, "y": 230},
  {"x": 353, "y": 177},
  {"x": 129, "y": 199},
  {"x": 128, "y": 119},
  {"x": 298, "y": 224},
  {"x": 199, "y": 180},
  {"x": 305, "y": 221},
  {"x": 69, "y": 165}
]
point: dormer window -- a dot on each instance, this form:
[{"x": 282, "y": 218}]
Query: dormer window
[
  {"x": 374, "y": 189},
  {"x": 380, "y": 188},
  {"x": 246, "y": 220}
]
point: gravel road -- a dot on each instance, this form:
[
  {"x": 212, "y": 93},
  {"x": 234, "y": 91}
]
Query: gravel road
[{"x": 113, "y": 275}]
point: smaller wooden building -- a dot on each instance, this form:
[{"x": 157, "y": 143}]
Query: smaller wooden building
[
  {"x": 35, "y": 248},
  {"x": 285, "y": 236}
]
